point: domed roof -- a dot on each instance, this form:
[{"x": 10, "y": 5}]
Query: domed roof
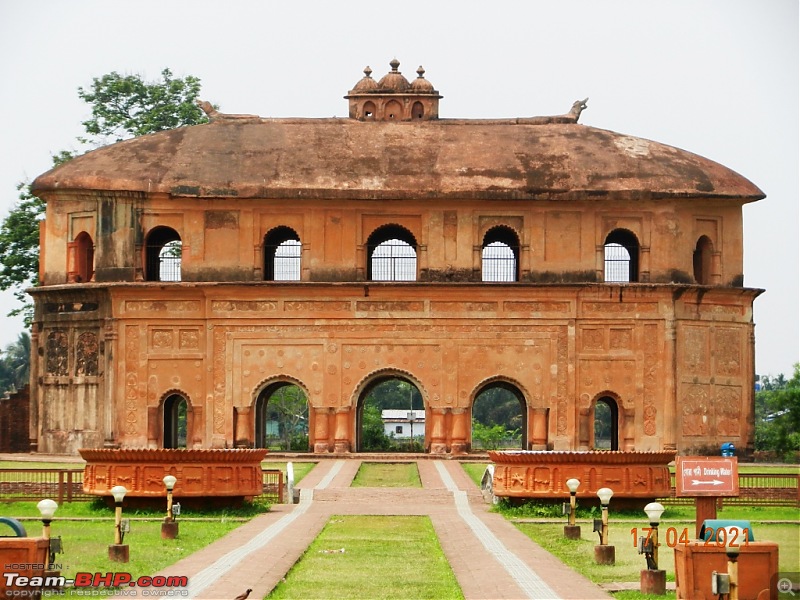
[
  {"x": 422, "y": 85},
  {"x": 366, "y": 83},
  {"x": 394, "y": 79},
  {"x": 511, "y": 159}
]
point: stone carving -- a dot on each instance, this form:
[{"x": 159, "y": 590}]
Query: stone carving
[
  {"x": 593, "y": 339},
  {"x": 162, "y": 338},
  {"x": 620, "y": 339},
  {"x": 650, "y": 346},
  {"x": 219, "y": 370},
  {"x": 189, "y": 339},
  {"x": 214, "y": 115},
  {"x": 162, "y": 305},
  {"x": 86, "y": 354},
  {"x": 728, "y": 409},
  {"x": 695, "y": 409},
  {"x": 243, "y": 306},
  {"x": 727, "y": 352},
  {"x": 571, "y": 117},
  {"x": 57, "y": 353},
  {"x": 695, "y": 350}
]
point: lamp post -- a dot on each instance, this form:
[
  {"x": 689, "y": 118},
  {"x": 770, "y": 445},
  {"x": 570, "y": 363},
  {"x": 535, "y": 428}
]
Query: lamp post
[
  {"x": 169, "y": 528},
  {"x": 411, "y": 425},
  {"x": 47, "y": 508},
  {"x": 604, "y": 554},
  {"x": 571, "y": 530},
  {"x": 118, "y": 552},
  {"x": 732, "y": 551},
  {"x": 652, "y": 580}
]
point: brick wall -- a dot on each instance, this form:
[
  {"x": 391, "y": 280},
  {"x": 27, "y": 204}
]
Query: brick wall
[{"x": 14, "y": 421}]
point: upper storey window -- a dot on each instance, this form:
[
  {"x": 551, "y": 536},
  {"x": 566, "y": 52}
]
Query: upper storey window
[
  {"x": 392, "y": 252},
  {"x": 83, "y": 256},
  {"x": 163, "y": 255},
  {"x": 282, "y": 250},
  {"x": 702, "y": 260},
  {"x": 500, "y": 255},
  {"x": 621, "y": 257}
]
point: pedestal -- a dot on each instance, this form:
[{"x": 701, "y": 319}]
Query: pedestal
[
  {"x": 119, "y": 553},
  {"x": 169, "y": 530},
  {"x": 572, "y": 532},
  {"x": 604, "y": 555},
  {"x": 653, "y": 582}
]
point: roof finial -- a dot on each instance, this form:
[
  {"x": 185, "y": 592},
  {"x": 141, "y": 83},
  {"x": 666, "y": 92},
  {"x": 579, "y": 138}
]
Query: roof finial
[
  {"x": 367, "y": 71},
  {"x": 394, "y": 64},
  {"x": 420, "y": 72}
]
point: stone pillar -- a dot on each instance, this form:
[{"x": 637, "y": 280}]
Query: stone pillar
[
  {"x": 438, "y": 439},
  {"x": 584, "y": 423},
  {"x": 321, "y": 430},
  {"x": 342, "y": 441},
  {"x": 628, "y": 430},
  {"x": 538, "y": 439},
  {"x": 242, "y": 424},
  {"x": 460, "y": 433},
  {"x": 154, "y": 437},
  {"x": 198, "y": 427},
  {"x": 670, "y": 392}
]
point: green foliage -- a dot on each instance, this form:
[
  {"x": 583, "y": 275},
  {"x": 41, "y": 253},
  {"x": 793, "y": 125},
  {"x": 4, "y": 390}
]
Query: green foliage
[
  {"x": 288, "y": 406},
  {"x": 125, "y": 106},
  {"x": 492, "y": 437},
  {"x": 778, "y": 416},
  {"x": 498, "y": 405},
  {"x": 373, "y": 437},
  {"x": 15, "y": 364},
  {"x": 395, "y": 394},
  {"x": 122, "y": 107}
]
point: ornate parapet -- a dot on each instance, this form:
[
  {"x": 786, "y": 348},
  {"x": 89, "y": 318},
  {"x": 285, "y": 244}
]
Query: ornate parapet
[
  {"x": 533, "y": 474},
  {"x": 200, "y": 473}
]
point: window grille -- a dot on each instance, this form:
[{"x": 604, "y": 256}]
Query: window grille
[
  {"x": 499, "y": 263},
  {"x": 169, "y": 262},
  {"x": 617, "y": 263},
  {"x": 394, "y": 260},
  {"x": 286, "y": 262}
]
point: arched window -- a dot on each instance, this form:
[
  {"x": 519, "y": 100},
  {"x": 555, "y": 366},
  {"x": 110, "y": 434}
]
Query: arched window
[
  {"x": 84, "y": 258},
  {"x": 175, "y": 419},
  {"x": 621, "y": 257},
  {"x": 282, "y": 417},
  {"x": 163, "y": 255},
  {"x": 702, "y": 260},
  {"x": 390, "y": 416},
  {"x": 606, "y": 424},
  {"x": 500, "y": 255},
  {"x": 282, "y": 251},
  {"x": 392, "y": 254},
  {"x": 499, "y": 418},
  {"x": 369, "y": 110},
  {"x": 393, "y": 111},
  {"x": 417, "y": 110}
]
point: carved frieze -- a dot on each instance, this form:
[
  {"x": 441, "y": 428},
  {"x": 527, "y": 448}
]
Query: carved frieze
[
  {"x": 650, "y": 346},
  {"x": 189, "y": 339},
  {"x": 536, "y": 307},
  {"x": 86, "y": 354},
  {"x": 158, "y": 306},
  {"x": 727, "y": 351},
  {"x": 57, "y": 353},
  {"x": 243, "y": 306},
  {"x": 695, "y": 410},
  {"x": 162, "y": 339},
  {"x": 728, "y": 410},
  {"x": 695, "y": 350}
]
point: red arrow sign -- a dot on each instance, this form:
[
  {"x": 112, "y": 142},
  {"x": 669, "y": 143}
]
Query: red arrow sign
[{"x": 706, "y": 476}]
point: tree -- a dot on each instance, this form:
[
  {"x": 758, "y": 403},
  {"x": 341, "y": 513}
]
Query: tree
[
  {"x": 778, "y": 416},
  {"x": 289, "y": 407},
  {"x": 122, "y": 107},
  {"x": 15, "y": 364}
]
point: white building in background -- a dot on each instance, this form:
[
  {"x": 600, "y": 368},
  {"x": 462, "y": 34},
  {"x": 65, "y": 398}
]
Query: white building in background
[{"x": 403, "y": 423}]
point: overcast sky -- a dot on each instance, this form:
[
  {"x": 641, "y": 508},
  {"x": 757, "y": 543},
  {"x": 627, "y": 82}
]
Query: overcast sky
[{"x": 716, "y": 77}]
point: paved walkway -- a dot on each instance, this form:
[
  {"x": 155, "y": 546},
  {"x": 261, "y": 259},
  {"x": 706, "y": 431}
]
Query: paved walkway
[{"x": 490, "y": 558}]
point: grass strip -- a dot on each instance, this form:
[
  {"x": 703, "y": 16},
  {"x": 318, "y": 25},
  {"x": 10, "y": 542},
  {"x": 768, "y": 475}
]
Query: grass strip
[
  {"x": 372, "y": 557},
  {"x": 387, "y": 475}
]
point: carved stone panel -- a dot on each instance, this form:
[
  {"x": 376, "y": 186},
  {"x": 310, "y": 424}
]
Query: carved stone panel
[
  {"x": 695, "y": 350},
  {"x": 57, "y": 354},
  {"x": 727, "y": 351},
  {"x": 728, "y": 409},
  {"x": 696, "y": 410},
  {"x": 86, "y": 354}
]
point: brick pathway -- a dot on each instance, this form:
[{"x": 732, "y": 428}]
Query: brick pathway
[{"x": 489, "y": 556}]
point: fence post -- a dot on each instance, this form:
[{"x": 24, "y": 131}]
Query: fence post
[
  {"x": 69, "y": 486},
  {"x": 61, "y": 487}
]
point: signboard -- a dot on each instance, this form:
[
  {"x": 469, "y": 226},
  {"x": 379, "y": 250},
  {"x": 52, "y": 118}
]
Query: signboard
[{"x": 706, "y": 476}]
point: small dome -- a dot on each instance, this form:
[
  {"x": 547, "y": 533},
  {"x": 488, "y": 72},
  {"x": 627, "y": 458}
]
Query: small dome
[
  {"x": 422, "y": 85},
  {"x": 394, "y": 79},
  {"x": 366, "y": 83}
]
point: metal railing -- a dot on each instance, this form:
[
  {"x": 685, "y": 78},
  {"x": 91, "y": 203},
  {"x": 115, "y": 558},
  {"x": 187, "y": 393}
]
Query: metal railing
[{"x": 755, "y": 489}]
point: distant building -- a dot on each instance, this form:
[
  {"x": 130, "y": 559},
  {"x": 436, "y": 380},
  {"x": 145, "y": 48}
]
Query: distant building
[
  {"x": 189, "y": 274},
  {"x": 403, "y": 424}
]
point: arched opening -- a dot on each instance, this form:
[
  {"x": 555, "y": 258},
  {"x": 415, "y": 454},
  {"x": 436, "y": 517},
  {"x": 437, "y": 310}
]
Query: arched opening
[
  {"x": 392, "y": 254},
  {"x": 394, "y": 111},
  {"x": 281, "y": 419},
  {"x": 606, "y": 424},
  {"x": 163, "y": 255},
  {"x": 84, "y": 258},
  {"x": 282, "y": 250},
  {"x": 417, "y": 110},
  {"x": 390, "y": 417},
  {"x": 702, "y": 260},
  {"x": 175, "y": 419},
  {"x": 621, "y": 257},
  {"x": 499, "y": 418},
  {"x": 500, "y": 255},
  {"x": 369, "y": 110}
]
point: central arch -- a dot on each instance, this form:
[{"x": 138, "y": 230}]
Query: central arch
[
  {"x": 500, "y": 402},
  {"x": 281, "y": 416},
  {"x": 605, "y": 423},
  {"x": 400, "y": 393}
]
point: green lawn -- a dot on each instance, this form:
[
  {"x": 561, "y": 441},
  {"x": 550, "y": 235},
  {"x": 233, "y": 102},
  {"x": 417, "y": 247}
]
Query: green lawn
[
  {"x": 301, "y": 469},
  {"x": 387, "y": 475},
  {"x": 372, "y": 557}
]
